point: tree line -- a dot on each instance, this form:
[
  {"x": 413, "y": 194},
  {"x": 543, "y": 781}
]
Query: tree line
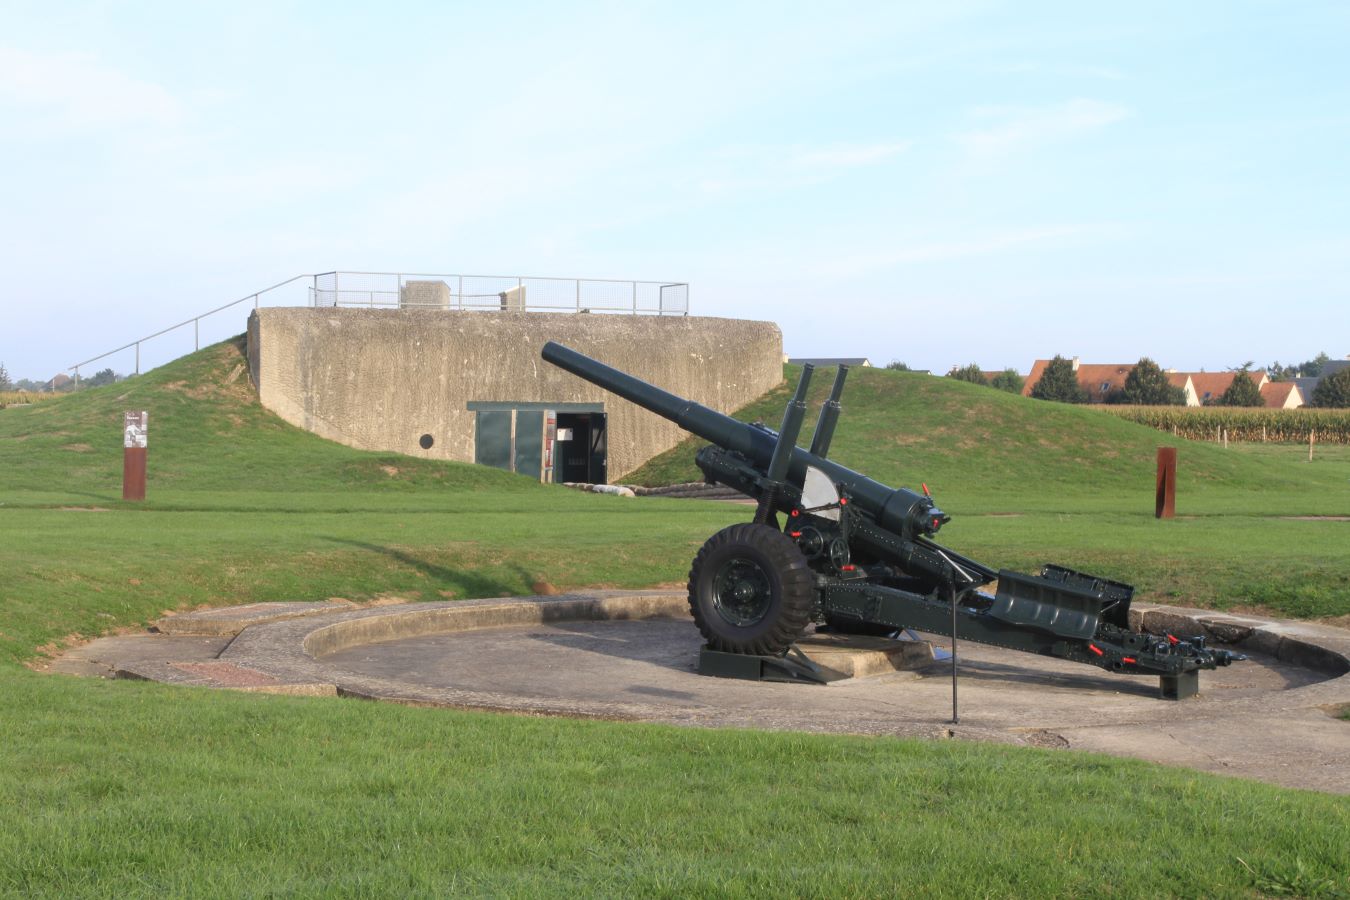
[{"x": 105, "y": 376}]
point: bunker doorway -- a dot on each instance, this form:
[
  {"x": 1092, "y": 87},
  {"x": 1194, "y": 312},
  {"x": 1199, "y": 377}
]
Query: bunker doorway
[{"x": 580, "y": 452}]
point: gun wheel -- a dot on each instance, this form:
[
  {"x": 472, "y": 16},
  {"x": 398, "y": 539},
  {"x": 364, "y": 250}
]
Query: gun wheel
[{"x": 751, "y": 590}]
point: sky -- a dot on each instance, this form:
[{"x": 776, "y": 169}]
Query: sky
[{"x": 935, "y": 183}]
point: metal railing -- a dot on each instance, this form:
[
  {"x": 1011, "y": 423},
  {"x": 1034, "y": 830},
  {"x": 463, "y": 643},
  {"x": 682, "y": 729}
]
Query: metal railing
[
  {"x": 462, "y": 292},
  {"x": 516, "y": 293}
]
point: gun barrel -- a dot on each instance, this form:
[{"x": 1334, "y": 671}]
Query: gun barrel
[
  {"x": 897, "y": 509},
  {"x": 708, "y": 424}
]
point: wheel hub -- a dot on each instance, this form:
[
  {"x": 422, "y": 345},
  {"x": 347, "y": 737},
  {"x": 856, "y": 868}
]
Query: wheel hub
[{"x": 742, "y": 592}]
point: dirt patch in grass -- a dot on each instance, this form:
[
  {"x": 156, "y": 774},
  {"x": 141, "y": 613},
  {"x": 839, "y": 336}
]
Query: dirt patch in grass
[
  {"x": 84, "y": 509},
  {"x": 384, "y": 600}
]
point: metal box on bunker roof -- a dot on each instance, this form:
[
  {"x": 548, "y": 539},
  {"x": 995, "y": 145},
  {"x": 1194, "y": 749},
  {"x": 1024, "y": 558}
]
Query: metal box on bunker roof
[{"x": 856, "y": 554}]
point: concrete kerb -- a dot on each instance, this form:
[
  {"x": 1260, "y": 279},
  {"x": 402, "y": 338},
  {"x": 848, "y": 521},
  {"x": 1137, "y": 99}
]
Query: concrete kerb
[
  {"x": 394, "y": 623},
  {"x": 1306, "y": 644},
  {"x": 293, "y": 651},
  {"x": 232, "y": 620}
]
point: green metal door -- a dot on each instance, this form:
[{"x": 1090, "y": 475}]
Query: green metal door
[
  {"x": 492, "y": 439},
  {"x": 529, "y": 443}
]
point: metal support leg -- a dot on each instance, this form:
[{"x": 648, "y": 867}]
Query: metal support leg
[{"x": 1180, "y": 687}]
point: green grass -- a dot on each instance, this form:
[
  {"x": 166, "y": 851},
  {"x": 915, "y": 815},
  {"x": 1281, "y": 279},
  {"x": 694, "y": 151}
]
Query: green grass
[
  {"x": 117, "y": 789},
  {"x": 125, "y": 788}
]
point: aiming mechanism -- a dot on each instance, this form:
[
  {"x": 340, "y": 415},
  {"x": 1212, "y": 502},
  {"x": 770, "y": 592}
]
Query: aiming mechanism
[{"x": 858, "y": 556}]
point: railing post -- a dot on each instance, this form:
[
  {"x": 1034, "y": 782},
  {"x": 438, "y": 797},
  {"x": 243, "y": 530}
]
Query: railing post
[
  {"x": 197, "y": 334},
  {"x": 138, "y": 357},
  {"x": 634, "y": 298},
  {"x": 578, "y": 284}
]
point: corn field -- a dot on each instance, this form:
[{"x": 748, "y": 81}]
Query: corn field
[
  {"x": 18, "y": 398},
  {"x": 1208, "y": 423}
]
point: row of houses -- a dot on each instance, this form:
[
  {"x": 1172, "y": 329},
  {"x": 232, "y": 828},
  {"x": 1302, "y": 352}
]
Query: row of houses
[{"x": 1102, "y": 380}]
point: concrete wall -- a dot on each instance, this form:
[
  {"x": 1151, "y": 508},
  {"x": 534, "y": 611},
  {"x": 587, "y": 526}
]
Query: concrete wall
[{"x": 380, "y": 379}]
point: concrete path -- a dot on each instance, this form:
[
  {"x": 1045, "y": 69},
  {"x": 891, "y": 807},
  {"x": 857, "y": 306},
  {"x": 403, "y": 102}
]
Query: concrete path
[{"x": 631, "y": 655}]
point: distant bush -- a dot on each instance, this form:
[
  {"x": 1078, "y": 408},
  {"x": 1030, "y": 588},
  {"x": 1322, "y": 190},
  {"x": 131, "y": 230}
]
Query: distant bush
[
  {"x": 896, "y": 365},
  {"x": 969, "y": 373},
  {"x": 1242, "y": 392},
  {"x": 1147, "y": 385},
  {"x": 1333, "y": 391},
  {"x": 1059, "y": 382},
  {"x": 1008, "y": 380}
]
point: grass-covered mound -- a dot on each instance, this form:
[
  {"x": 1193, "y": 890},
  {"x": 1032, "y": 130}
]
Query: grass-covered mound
[
  {"x": 987, "y": 450},
  {"x": 242, "y": 507},
  {"x": 132, "y": 789}
]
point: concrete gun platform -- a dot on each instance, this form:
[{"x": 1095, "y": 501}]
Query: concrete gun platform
[{"x": 631, "y": 656}]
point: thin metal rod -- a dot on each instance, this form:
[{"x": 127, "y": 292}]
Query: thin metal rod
[
  {"x": 253, "y": 297},
  {"x": 956, "y": 718}
]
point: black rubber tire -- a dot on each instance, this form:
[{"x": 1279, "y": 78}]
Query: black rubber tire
[{"x": 774, "y": 592}]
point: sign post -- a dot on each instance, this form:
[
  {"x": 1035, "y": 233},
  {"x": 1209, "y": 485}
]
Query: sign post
[{"x": 133, "y": 455}]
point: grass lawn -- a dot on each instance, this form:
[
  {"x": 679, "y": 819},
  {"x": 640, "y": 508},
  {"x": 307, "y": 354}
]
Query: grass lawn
[{"x": 124, "y": 788}]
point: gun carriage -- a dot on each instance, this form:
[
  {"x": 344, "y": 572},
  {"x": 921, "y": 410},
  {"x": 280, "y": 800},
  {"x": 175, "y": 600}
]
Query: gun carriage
[{"x": 858, "y": 556}]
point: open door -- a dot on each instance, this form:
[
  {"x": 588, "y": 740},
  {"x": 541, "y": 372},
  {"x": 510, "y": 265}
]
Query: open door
[{"x": 580, "y": 451}]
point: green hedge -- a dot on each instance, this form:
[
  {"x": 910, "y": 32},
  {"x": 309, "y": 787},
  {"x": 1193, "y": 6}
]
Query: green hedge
[{"x": 1201, "y": 423}]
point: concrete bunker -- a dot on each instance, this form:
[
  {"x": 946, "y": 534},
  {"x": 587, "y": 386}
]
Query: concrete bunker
[{"x": 468, "y": 385}]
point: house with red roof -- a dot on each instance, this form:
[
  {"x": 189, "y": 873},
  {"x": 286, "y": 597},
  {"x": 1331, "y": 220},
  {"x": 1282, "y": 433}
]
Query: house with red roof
[
  {"x": 1281, "y": 395},
  {"x": 1209, "y": 386},
  {"x": 1103, "y": 380},
  {"x": 1183, "y": 381},
  {"x": 1100, "y": 380}
]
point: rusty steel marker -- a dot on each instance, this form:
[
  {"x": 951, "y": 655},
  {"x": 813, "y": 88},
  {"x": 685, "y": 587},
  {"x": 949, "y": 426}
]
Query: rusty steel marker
[
  {"x": 1166, "y": 507},
  {"x": 133, "y": 455}
]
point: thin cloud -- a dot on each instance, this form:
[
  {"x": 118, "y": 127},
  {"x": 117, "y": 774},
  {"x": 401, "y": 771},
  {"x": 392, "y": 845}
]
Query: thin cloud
[
  {"x": 80, "y": 91},
  {"x": 1104, "y": 73},
  {"x": 846, "y": 156},
  {"x": 924, "y": 252},
  {"x": 776, "y": 168},
  {"x": 1023, "y": 128}
]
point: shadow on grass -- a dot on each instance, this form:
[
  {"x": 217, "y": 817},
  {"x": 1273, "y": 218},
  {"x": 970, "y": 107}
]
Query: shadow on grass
[{"x": 465, "y": 583}]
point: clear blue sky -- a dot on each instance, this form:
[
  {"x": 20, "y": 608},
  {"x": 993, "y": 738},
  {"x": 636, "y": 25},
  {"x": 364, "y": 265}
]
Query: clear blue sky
[{"x": 938, "y": 183}]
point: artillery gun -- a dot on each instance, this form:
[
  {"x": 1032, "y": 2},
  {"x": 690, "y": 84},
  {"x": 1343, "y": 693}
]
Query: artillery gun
[{"x": 858, "y": 556}]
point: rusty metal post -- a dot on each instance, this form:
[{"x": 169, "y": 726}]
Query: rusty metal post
[
  {"x": 1166, "y": 506},
  {"x": 133, "y": 455}
]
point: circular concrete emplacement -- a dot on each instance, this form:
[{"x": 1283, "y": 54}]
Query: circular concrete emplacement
[{"x": 632, "y": 655}]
